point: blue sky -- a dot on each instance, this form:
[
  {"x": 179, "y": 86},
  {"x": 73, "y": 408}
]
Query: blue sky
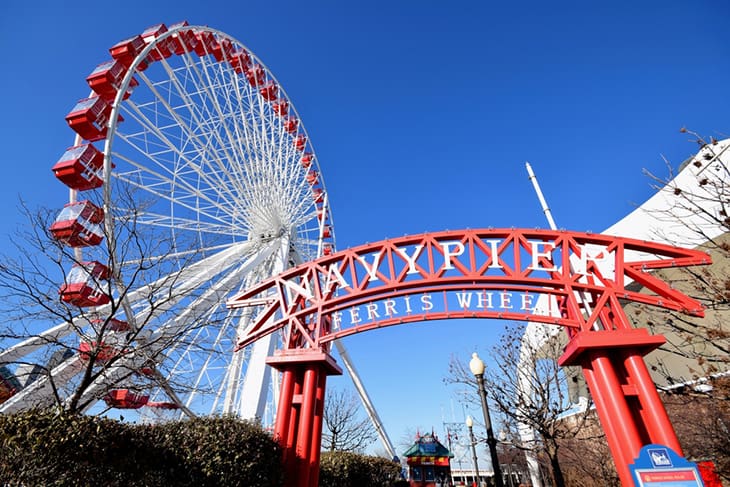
[{"x": 422, "y": 115}]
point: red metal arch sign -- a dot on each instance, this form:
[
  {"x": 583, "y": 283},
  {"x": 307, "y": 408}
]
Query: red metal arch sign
[
  {"x": 556, "y": 277},
  {"x": 577, "y": 280}
]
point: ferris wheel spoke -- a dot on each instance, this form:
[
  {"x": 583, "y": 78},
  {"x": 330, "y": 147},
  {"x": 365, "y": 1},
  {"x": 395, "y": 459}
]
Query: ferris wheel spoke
[
  {"x": 191, "y": 128},
  {"x": 170, "y": 173},
  {"x": 201, "y": 78},
  {"x": 166, "y": 221},
  {"x": 192, "y": 276}
]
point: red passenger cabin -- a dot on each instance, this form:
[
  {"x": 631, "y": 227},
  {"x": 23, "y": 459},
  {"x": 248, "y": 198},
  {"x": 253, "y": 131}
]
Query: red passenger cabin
[
  {"x": 101, "y": 351},
  {"x": 79, "y": 224},
  {"x": 9, "y": 384},
  {"x": 255, "y": 75},
  {"x": 240, "y": 60},
  {"x": 183, "y": 40},
  {"x": 80, "y": 167},
  {"x": 300, "y": 142},
  {"x": 280, "y": 106},
  {"x": 106, "y": 79},
  {"x": 223, "y": 50},
  {"x": 89, "y": 118},
  {"x": 291, "y": 124},
  {"x": 110, "y": 324},
  {"x": 125, "y": 399},
  {"x": 127, "y": 50},
  {"x": 206, "y": 43},
  {"x": 83, "y": 285},
  {"x": 269, "y": 91},
  {"x": 429, "y": 463},
  {"x": 306, "y": 160},
  {"x": 162, "y": 405},
  {"x": 162, "y": 49},
  {"x": 113, "y": 331}
]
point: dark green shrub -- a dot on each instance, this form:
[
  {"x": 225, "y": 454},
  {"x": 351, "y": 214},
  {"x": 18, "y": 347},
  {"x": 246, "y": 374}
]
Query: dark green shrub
[
  {"x": 222, "y": 451},
  {"x": 47, "y": 448},
  {"x": 338, "y": 469}
]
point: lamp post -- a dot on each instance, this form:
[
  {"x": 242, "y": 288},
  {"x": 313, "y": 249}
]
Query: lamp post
[
  {"x": 477, "y": 368},
  {"x": 469, "y": 424}
]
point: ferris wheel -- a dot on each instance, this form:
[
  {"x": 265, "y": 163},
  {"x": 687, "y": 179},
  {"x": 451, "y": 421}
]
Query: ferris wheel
[{"x": 191, "y": 177}]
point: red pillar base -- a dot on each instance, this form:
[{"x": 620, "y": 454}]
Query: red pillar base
[
  {"x": 298, "y": 427},
  {"x": 628, "y": 404}
]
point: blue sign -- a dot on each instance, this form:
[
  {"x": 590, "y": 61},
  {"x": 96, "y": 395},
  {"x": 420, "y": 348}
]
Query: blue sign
[{"x": 660, "y": 466}]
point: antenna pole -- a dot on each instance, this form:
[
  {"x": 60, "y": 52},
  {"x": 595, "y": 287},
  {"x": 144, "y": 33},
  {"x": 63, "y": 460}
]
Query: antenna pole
[{"x": 543, "y": 203}]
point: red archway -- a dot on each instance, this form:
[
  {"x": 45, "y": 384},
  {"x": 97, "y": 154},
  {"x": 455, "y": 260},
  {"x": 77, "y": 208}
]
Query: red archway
[{"x": 577, "y": 280}]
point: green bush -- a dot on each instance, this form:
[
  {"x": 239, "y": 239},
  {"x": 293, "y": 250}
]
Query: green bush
[
  {"x": 339, "y": 469},
  {"x": 222, "y": 451},
  {"x": 46, "y": 448}
]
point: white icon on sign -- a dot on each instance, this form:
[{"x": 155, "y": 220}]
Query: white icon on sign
[{"x": 660, "y": 458}]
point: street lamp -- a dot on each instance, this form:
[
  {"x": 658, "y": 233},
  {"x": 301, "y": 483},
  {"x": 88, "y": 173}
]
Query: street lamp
[
  {"x": 477, "y": 368},
  {"x": 469, "y": 424}
]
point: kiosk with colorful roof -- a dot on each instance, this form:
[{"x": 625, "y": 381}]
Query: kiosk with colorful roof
[{"x": 429, "y": 462}]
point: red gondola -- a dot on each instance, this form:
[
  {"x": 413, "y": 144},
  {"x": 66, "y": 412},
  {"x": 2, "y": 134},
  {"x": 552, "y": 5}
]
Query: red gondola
[
  {"x": 127, "y": 50},
  {"x": 223, "y": 50},
  {"x": 327, "y": 249},
  {"x": 9, "y": 384},
  {"x": 106, "y": 78},
  {"x": 280, "y": 106},
  {"x": 112, "y": 324},
  {"x": 89, "y": 118},
  {"x": 80, "y": 167},
  {"x": 269, "y": 91},
  {"x": 162, "y": 405},
  {"x": 240, "y": 60},
  {"x": 125, "y": 399},
  {"x": 79, "y": 224},
  {"x": 318, "y": 195},
  {"x": 300, "y": 142},
  {"x": 306, "y": 160},
  {"x": 206, "y": 43},
  {"x": 327, "y": 231},
  {"x": 255, "y": 75},
  {"x": 291, "y": 124},
  {"x": 162, "y": 48},
  {"x": 102, "y": 351},
  {"x": 312, "y": 177},
  {"x": 183, "y": 40},
  {"x": 82, "y": 286}
]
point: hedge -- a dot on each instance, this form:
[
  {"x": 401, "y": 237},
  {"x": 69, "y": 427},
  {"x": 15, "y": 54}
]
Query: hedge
[
  {"x": 338, "y": 469},
  {"x": 55, "y": 449},
  {"x": 47, "y": 448}
]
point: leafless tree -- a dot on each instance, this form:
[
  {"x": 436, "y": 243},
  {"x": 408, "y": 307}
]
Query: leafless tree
[
  {"x": 695, "y": 213},
  {"x": 701, "y": 418},
  {"x": 546, "y": 409},
  {"x": 72, "y": 354},
  {"x": 345, "y": 428}
]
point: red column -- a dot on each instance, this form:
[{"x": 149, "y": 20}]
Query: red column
[
  {"x": 299, "y": 415},
  {"x": 304, "y": 432},
  {"x": 656, "y": 420},
  {"x": 627, "y": 402},
  {"x": 285, "y": 413},
  {"x": 316, "y": 446},
  {"x": 622, "y": 436}
]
